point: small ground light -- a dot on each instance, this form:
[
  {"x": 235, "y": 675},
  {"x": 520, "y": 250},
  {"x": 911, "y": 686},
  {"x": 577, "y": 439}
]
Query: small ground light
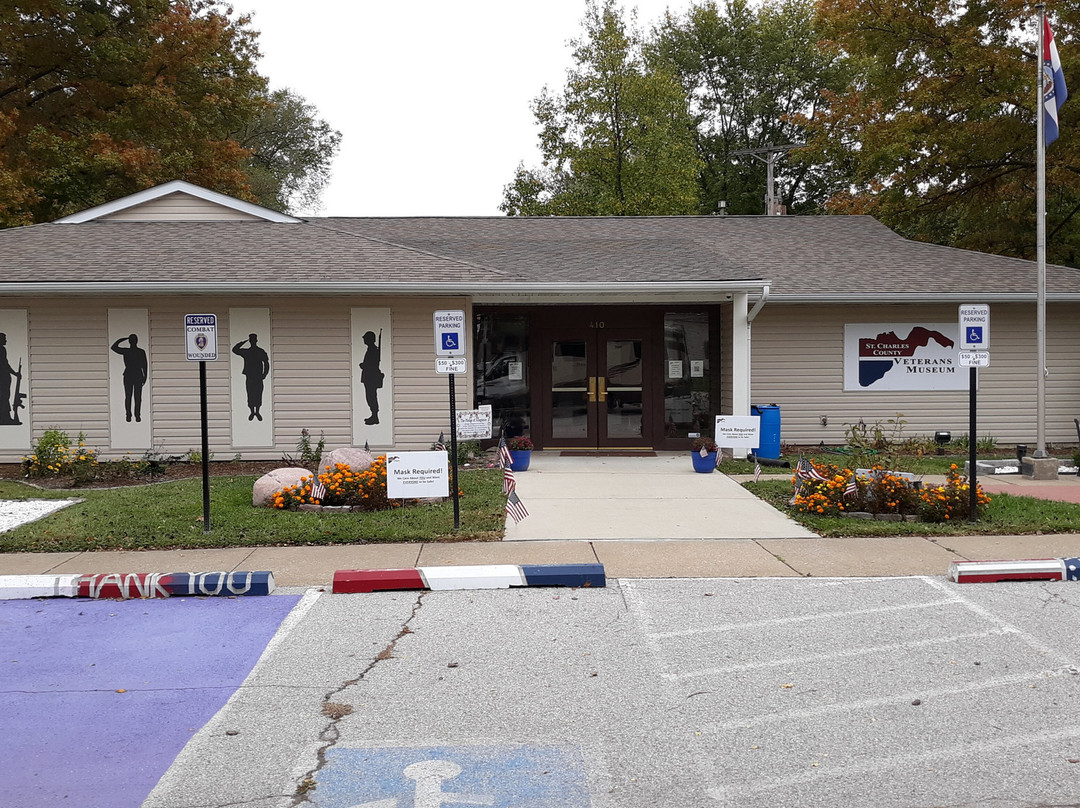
[
  {"x": 1021, "y": 451},
  {"x": 942, "y": 438}
]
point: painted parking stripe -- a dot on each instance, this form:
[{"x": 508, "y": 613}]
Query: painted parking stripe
[
  {"x": 491, "y": 576},
  {"x": 125, "y": 586}
]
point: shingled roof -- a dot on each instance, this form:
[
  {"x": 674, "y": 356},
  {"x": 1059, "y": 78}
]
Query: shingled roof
[{"x": 802, "y": 258}]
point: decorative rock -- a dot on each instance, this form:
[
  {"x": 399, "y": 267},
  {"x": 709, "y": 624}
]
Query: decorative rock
[
  {"x": 267, "y": 485},
  {"x": 356, "y": 459}
]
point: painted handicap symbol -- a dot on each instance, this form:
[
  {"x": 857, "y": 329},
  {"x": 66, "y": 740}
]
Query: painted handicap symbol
[
  {"x": 429, "y": 776},
  {"x": 449, "y": 341},
  {"x": 511, "y": 776}
]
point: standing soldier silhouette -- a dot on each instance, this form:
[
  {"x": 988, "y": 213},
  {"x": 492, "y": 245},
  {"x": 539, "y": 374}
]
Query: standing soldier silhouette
[{"x": 370, "y": 375}]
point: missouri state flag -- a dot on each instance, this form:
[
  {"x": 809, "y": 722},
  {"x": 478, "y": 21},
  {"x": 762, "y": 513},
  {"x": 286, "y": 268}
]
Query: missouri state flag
[{"x": 1054, "y": 92}]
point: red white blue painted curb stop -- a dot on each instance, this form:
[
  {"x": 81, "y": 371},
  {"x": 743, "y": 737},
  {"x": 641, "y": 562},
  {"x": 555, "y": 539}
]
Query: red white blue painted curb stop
[
  {"x": 1037, "y": 569},
  {"x": 136, "y": 585},
  {"x": 488, "y": 576}
]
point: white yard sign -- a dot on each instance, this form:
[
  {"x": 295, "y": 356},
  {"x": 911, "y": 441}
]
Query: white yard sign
[
  {"x": 417, "y": 475},
  {"x": 738, "y": 431}
]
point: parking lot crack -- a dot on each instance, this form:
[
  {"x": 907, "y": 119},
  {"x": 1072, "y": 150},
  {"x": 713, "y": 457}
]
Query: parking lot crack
[{"x": 336, "y": 710}]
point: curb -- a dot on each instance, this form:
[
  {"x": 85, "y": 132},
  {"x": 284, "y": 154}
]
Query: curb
[
  {"x": 492, "y": 576},
  {"x": 1038, "y": 569},
  {"x": 125, "y": 586}
]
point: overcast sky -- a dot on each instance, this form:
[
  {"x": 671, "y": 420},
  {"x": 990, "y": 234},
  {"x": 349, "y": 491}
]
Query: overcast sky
[{"x": 432, "y": 98}]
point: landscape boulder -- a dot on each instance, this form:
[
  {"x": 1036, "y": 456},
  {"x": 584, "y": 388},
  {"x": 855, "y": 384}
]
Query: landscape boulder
[
  {"x": 272, "y": 482},
  {"x": 356, "y": 459}
]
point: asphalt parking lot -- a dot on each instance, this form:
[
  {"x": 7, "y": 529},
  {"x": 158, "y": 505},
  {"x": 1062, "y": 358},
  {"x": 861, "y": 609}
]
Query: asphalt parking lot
[{"x": 712, "y": 692}]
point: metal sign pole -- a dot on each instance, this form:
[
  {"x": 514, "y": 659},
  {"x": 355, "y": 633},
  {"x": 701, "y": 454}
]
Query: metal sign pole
[
  {"x": 972, "y": 473},
  {"x": 453, "y": 456},
  {"x": 205, "y": 449}
]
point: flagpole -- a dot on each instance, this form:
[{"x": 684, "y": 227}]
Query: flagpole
[{"x": 1040, "y": 238}]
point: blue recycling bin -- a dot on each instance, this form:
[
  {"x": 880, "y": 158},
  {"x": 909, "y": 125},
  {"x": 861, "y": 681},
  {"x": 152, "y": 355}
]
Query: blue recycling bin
[{"x": 770, "y": 430}]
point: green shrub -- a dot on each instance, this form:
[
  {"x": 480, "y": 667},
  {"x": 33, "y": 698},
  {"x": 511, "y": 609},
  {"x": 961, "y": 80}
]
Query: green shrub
[{"x": 54, "y": 456}]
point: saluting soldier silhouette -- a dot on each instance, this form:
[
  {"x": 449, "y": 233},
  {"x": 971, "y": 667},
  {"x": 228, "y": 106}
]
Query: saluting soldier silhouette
[
  {"x": 136, "y": 372},
  {"x": 8, "y": 416},
  {"x": 256, "y": 369}
]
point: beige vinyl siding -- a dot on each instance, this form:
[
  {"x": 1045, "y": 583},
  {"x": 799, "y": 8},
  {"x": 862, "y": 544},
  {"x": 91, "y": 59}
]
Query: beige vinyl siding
[
  {"x": 180, "y": 207},
  {"x": 798, "y": 363},
  {"x": 68, "y": 382},
  {"x": 310, "y": 354}
]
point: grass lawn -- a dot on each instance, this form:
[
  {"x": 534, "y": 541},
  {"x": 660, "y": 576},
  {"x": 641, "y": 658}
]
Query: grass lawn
[{"x": 169, "y": 515}]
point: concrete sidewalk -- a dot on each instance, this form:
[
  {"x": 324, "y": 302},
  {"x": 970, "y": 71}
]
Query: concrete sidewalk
[{"x": 639, "y": 517}]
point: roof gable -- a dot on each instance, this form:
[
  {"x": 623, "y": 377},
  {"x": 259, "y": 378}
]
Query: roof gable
[{"x": 178, "y": 201}]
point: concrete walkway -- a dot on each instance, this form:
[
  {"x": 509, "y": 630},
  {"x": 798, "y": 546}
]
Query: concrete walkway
[{"x": 626, "y": 498}]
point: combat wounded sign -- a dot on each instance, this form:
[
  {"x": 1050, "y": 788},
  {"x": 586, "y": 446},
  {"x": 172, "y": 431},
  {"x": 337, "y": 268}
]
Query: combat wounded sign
[{"x": 901, "y": 356}]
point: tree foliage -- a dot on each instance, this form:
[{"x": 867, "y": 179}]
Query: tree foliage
[
  {"x": 754, "y": 76},
  {"x": 940, "y": 127},
  {"x": 617, "y": 141},
  {"x": 290, "y": 151},
  {"x": 102, "y": 98}
]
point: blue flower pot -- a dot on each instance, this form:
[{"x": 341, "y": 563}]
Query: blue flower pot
[
  {"x": 703, "y": 464},
  {"x": 519, "y": 459}
]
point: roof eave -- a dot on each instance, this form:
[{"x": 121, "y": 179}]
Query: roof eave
[
  {"x": 487, "y": 292},
  {"x": 920, "y": 298}
]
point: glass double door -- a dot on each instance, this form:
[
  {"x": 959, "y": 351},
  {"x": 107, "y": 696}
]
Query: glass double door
[{"x": 596, "y": 381}]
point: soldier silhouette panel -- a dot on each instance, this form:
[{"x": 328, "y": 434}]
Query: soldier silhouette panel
[
  {"x": 256, "y": 369},
  {"x": 135, "y": 374},
  {"x": 370, "y": 374},
  {"x": 10, "y": 414}
]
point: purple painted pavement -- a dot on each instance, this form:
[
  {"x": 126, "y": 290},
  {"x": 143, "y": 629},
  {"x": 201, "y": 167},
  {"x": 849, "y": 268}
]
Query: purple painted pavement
[{"x": 67, "y": 737}]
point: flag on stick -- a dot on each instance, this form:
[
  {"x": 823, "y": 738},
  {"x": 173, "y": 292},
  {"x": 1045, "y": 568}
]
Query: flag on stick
[
  {"x": 504, "y": 456},
  {"x": 440, "y": 444},
  {"x": 515, "y": 508},
  {"x": 851, "y": 489},
  {"x": 1054, "y": 90},
  {"x": 318, "y": 490},
  {"x": 808, "y": 471},
  {"x": 757, "y": 471}
]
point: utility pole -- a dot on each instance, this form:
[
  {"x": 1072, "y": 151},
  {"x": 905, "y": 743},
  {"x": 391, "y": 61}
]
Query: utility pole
[{"x": 769, "y": 155}]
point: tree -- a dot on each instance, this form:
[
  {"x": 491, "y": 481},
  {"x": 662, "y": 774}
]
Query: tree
[
  {"x": 102, "y": 98},
  {"x": 748, "y": 72},
  {"x": 618, "y": 141},
  {"x": 291, "y": 151},
  {"x": 940, "y": 127}
]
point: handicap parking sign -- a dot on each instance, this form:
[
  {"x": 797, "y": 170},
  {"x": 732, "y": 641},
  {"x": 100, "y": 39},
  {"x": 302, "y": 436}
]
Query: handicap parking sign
[{"x": 451, "y": 776}]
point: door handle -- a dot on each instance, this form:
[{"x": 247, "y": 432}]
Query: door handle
[
  {"x": 592, "y": 389},
  {"x": 603, "y": 388}
]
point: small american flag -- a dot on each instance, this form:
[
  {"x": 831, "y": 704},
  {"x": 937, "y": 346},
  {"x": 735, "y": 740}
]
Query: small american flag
[
  {"x": 757, "y": 471},
  {"x": 851, "y": 489},
  {"x": 515, "y": 508},
  {"x": 504, "y": 453},
  {"x": 440, "y": 444},
  {"x": 808, "y": 471},
  {"x": 318, "y": 490},
  {"x": 509, "y": 483}
]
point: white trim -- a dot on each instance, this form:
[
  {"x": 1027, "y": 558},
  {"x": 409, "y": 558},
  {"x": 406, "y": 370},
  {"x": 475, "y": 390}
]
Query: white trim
[
  {"x": 695, "y": 291},
  {"x": 174, "y": 187}
]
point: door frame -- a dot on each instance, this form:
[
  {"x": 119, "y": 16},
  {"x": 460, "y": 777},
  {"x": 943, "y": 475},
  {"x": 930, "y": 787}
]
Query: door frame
[{"x": 596, "y": 325}]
